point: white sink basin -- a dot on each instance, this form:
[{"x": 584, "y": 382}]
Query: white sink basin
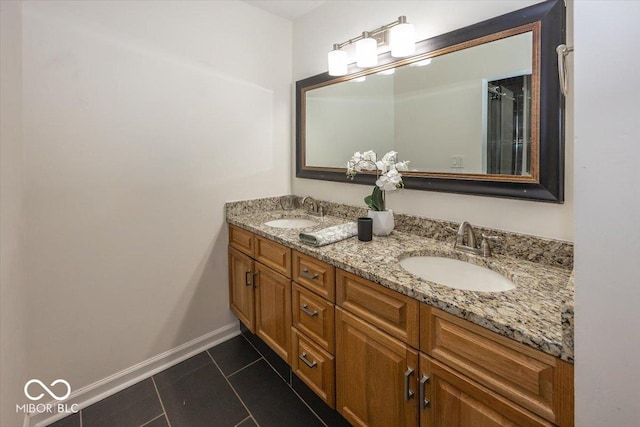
[
  {"x": 291, "y": 223},
  {"x": 456, "y": 274}
]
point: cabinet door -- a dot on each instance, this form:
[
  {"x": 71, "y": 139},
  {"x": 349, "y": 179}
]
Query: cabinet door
[
  {"x": 375, "y": 375},
  {"x": 273, "y": 310},
  {"x": 448, "y": 399},
  {"x": 241, "y": 298}
]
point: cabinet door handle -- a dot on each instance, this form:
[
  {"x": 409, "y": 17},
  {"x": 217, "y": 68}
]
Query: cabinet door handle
[
  {"x": 255, "y": 279},
  {"x": 305, "y": 273},
  {"x": 247, "y": 278},
  {"x": 408, "y": 394},
  {"x": 305, "y": 309},
  {"x": 424, "y": 402},
  {"x": 306, "y": 361}
]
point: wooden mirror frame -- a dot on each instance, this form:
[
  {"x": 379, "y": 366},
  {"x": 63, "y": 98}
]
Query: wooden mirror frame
[{"x": 546, "y": 183}]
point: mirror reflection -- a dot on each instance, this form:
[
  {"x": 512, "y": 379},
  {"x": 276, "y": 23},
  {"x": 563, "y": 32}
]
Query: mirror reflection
[{"x": 468, "y": 111}]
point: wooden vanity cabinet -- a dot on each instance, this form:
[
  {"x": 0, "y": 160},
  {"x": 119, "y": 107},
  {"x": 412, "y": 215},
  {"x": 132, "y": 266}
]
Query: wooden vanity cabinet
[
  {"x": 383, "y": 359},
  {"x": 260, "y": 287},
  {"x": 375, "y": 375}
]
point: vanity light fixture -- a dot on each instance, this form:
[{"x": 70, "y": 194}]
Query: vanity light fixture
[{"x": 402, "y": 43}]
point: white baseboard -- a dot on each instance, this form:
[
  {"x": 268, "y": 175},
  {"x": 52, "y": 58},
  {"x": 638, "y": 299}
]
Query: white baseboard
[{"x": 106, "y": 387}]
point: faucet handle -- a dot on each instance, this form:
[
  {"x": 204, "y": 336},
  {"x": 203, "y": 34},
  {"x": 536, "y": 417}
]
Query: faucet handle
[{"x": 484, "y": 245}]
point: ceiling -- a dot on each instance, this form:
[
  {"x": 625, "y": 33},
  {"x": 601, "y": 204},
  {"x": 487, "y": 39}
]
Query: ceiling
[{"x": 288, "y": 9}]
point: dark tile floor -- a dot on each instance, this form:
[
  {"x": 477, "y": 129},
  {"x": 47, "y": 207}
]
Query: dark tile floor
[{"x": 229, "y": 385}]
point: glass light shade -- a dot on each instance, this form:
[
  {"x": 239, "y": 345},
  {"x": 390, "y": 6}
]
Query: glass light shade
[
  {"x": 402, "y": 40},
  {"x": 337, "y": 63},
  {"x": 367, "y": 52}
]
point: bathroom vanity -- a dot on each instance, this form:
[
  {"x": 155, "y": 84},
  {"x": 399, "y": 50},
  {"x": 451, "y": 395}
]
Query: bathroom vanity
[{"x": 384, "y": 347}]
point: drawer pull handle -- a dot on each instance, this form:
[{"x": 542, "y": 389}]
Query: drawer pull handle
[
  {"x": 255, "y": 279},
  {"x": 305, "y": 273},
  {"x": 408, "y": 394},
  {"x": 424, "y": 401},
  {"x": 305, "y": 309},
  {"x": 247, "y": 280},
  {"x": 306, "y": 361}
]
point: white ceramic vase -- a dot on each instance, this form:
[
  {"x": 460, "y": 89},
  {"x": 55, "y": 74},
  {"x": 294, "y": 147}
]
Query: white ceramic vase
[{"x": 382, "y": 222}]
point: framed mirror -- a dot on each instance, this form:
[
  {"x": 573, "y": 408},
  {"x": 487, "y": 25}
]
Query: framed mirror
[{"x": 476, "y": 111}]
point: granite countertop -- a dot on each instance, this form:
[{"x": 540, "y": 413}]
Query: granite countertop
[{"x": 537, "y": 313}]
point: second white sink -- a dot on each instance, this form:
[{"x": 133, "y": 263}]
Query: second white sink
[
  {"x": 456, "y": 274},
  {"x": 291, "y": 223}
]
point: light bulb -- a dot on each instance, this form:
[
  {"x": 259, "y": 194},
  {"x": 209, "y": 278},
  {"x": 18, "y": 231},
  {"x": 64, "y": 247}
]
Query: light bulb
[
  {"x": 366, "y": 51},
  {"x": 402, "y": 39},
  {"x": 337, "y": 62}
]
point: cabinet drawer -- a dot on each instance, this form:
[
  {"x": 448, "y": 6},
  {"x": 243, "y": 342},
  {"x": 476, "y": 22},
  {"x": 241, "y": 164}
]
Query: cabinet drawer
[
  {"x": 314, "y": 316},
  {"x": 315, "y": 275},
  {"x": 456, "y": 401},
  {"x": 535, "y": 380},
  {"x": 314, "y": 366},
  {"x": 273, "y": 255},
  {"x": 241, "y": 239},
  {"x": 391, "y": 311}
]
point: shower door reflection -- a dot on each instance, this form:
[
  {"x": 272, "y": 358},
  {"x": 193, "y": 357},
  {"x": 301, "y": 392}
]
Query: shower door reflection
[{"x": 508, "y": 138}]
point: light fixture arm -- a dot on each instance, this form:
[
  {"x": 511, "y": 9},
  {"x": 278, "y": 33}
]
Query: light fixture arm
[{"x": 400, "y": 20}]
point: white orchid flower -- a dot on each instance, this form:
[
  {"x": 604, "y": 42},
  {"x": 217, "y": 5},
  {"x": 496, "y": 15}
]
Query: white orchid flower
[
  {"x": 390, "y": 181},
  {"x": 369, "y": 155},
  {"x": 391, "y": 157},
  {"x": 382, "y": 166},
  {"x": 402, "y": 166}
]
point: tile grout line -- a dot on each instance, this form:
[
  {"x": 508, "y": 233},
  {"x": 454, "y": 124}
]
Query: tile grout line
[
  {"x": 233, "y": 389},
  {"x": 265, "y": 359},
  {"x": 164, "y": 411},
  {"x": 290, "y": 384},
  {"x": 152, "y": 420},
  {"x": 245, "y": 367}
]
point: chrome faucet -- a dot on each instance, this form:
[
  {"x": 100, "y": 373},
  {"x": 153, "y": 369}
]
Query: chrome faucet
[
  {"x": 315, "y": 210},
  {"x": 466, "y": 241}
]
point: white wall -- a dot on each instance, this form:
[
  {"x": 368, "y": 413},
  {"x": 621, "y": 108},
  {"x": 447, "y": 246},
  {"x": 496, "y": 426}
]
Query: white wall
[
  {"x": 607, "y": 216},
  {"x": 334, "y": 22},
  {"x": 141, "y": 119},
  {"x": 13, "y": 327}
]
